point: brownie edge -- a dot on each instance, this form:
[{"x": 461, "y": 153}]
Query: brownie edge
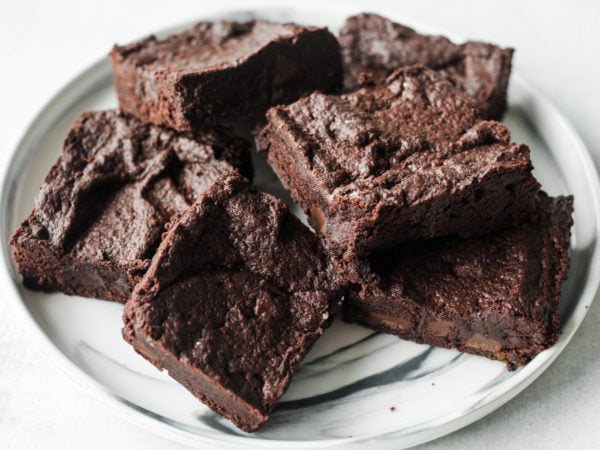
[{"x": 236, "y": 295}]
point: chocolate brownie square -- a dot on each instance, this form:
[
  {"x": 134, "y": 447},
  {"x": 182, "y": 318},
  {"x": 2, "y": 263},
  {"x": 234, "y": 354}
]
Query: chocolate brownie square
[
  {"x": 404, "y": 160},
  {"x": 376, "y": 46},
  {"x": 222, "y": 71},
  {"x": 495, "y": 295},
  {"x": 100, "y": 212},
  {"x": 236, "y": 295}
]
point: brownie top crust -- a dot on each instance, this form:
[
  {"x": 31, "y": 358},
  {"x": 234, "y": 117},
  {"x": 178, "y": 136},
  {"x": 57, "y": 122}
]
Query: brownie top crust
[
  {"x": 410, "y": 139},
  {"x": 239, "y": 290},
  {"x": 118, "y": 181},
  {"x": 373, "y": 47},
  {"x": 207, "y": 45},
  {"x": 516, "y": 272}
]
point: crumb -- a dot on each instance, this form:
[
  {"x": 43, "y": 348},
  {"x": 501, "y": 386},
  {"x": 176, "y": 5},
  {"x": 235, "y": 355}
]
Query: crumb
[
  {"x": 392, "y": 408},
  {"x": 433, "y": 384}
]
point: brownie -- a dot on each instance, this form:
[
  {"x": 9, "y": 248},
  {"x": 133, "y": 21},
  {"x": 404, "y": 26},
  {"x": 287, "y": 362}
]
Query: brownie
[
  {"x": 495, "y": 295},
  {"x": 98, "y": 217},
  {"x": 222, "y": 71},
  {"x": 236, "y": 295},
  {"x": 404, "y": 160},
  {"x": 376, "y": 46}
]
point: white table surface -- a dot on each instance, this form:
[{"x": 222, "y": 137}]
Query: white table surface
[{"x": 43, "y": 44}]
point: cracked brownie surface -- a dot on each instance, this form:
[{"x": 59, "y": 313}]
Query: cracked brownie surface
[
  {"x": 235, "y": 297},
  {"x": 100, "y": 213}
]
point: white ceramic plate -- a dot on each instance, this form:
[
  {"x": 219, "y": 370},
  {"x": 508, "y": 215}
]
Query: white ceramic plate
[{"x": 355, "y": 386}]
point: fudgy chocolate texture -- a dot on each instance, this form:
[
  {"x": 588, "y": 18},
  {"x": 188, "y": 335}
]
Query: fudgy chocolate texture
[
  {"x": 374, "y": 45},
  {"x": 235, "y": 297},
  {"x": 222, "y": 71},
  {"x": 495, "y": 295},
  {"x": 99, "y": 215},
  {"x": 404, "y": 160}
]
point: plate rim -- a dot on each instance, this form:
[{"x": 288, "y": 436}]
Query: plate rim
[{"x": 91, "y": 78}]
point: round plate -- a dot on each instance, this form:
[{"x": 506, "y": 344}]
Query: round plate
[{"x": 355, "y": 386}]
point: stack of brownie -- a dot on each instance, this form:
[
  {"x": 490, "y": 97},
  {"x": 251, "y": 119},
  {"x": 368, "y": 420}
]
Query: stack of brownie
[
  {"x": 429, "y": 223},
  {"x": 430, "y": 214}
]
